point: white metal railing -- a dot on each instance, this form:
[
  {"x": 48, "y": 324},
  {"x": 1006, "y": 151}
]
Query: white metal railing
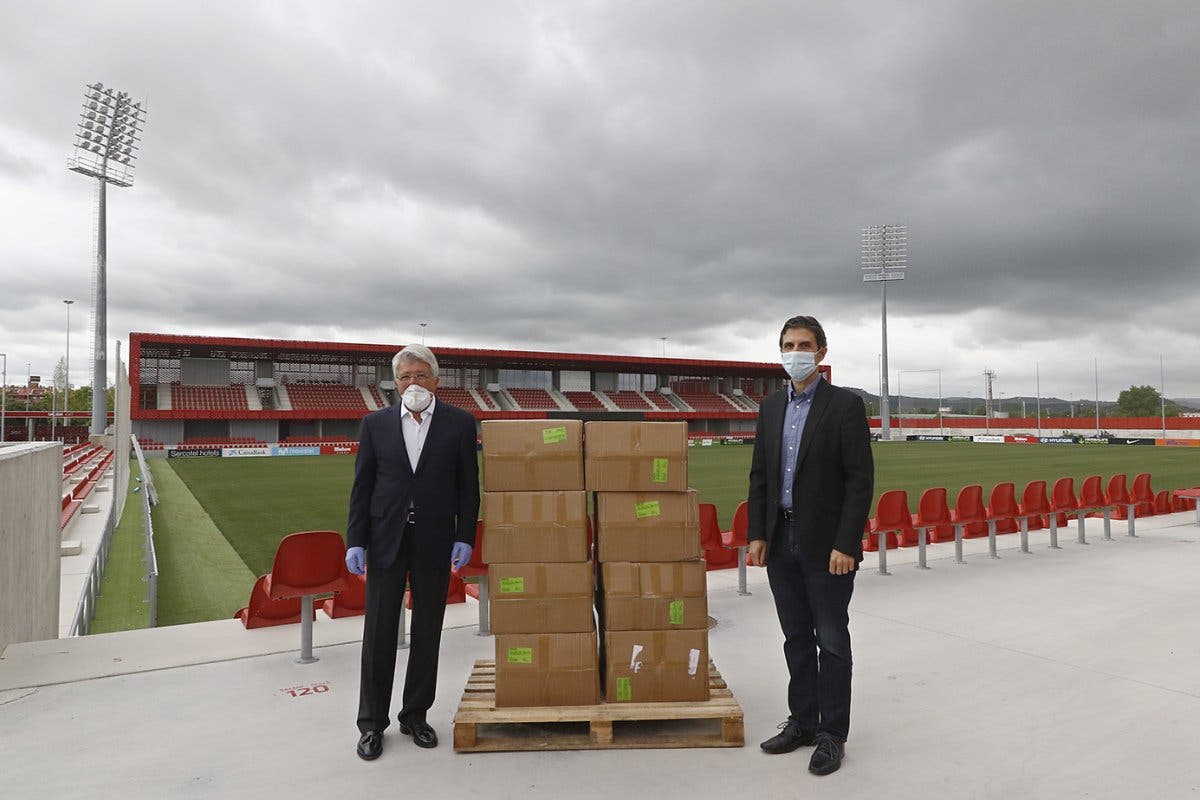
[{"x": 85, "y": 609}]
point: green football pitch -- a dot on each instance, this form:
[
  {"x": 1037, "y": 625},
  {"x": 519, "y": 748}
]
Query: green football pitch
[{"x": 219, "y": 541}]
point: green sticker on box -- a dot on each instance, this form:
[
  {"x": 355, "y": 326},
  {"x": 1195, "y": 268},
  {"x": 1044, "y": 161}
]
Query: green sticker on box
[
  {"x": 624, "y": 689},
  {"x": 648, "y": 509},
  {"x": 676, "y": 612},
  {"x": 512, "y": 585},
  {"x": 520, "y": 655},
  {"x": 659, "y": 472},
  {"x": 553, "y": 435}
]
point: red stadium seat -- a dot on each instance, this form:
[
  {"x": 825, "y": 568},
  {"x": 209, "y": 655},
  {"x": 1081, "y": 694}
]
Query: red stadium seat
[
  {"x": 474, "y": 574},
  {"x": 716, "y": 556},
  {"x": 738, "y": 538},
  {"x": 968, "y": 517},
  {"x": 1002, "y": 508},
  {"x": 933, "y": 514},
  {"x": 1032, "y": 511},
  {"x": 351, "y": 601},
  {"x": 1117, "y": 495},
  {"x": 262, "y": 611},
  {"x": 1142, "y": 494},
  {"x": 1162, "y": 502},
  {"x": 891, "y": 519},
  {"x": 1093, "y": 500},
  {"x": 307, "y": 564}
]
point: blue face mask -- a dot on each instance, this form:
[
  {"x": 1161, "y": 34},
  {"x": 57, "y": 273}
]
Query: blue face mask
[{"x": 799, "y": 364}]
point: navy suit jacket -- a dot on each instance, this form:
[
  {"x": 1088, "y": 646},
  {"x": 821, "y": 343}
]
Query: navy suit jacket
[
  {"x": 443, "y": 490},
  {"x": 834, "y": 478}
]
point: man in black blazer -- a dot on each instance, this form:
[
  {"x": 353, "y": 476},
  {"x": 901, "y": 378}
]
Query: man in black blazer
[
  {"x": 413, "y": 508},
  {"x": 811, "y": 482}
]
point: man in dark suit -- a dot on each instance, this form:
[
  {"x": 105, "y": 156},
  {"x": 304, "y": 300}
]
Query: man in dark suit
[
  {"x": 413, "y": 508},
  {"x": 811, "y": 482}
]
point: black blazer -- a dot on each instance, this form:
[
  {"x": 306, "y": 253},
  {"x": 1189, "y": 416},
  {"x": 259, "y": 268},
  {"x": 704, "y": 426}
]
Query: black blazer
[
  {"x": 444, "y": 489},
  {"x": 835, "y": 474}
]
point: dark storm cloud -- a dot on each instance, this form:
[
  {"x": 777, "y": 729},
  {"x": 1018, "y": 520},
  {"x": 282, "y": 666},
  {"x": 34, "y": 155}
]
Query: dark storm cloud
[{"x": 593, "y": 177}]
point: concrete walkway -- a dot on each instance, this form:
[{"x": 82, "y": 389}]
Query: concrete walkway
[{"x": 1062, "y": 674}]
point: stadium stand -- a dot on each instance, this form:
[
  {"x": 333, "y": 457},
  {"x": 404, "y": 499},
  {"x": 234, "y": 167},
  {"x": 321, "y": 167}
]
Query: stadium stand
[
  {"x": 534, "y": 399},
  {"x": 378, "y": 395},
  {"x": 627, "y": 400},
  {"x": 585, "y": 401},
  {"x": 225, "y": 441},
  {"x": 203, "y": 398},
  {"x": 456, "y": 396},
  {"x": 706, "y": 401},
  {"x": 318, "y": 397}
]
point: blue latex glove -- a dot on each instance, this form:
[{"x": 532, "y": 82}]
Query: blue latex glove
[
  {"x": 355, "y": 561},
  {"x": 460, "y": 556}
]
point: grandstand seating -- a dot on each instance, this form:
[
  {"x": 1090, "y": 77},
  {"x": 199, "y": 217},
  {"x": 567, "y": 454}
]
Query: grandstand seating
[
  {"x": 709, "y": 401},
  {"x": 321, "y": 397},
  {"x": 585, "y": 401},
  {"x": 892, "y": 520},
  {"x": 1002, "y": 508},
  {"x": 969, "y": 512},
  {"x": 317, "y": 440},
  {"x": 456, "y": 396},
  {"x": 378, "y": 395},
  {"x": 534, "y": 399},
  {"x": 627, "y": 400},
  {"x": 1142, "y": 494},
  {"x": 230, "y": 397},
  {"x": 224, "y": 441}
]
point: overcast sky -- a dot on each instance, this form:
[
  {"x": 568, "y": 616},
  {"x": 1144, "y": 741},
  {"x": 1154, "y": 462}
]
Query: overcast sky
[{"x": 593, "y": 176}]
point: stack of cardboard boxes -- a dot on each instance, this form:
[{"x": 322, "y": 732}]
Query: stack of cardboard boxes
[
  {"x": 542, "y": 582},
  {"x": 653, "y": 601}
]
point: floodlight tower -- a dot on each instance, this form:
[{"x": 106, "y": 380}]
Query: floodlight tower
[
  {"x": 106, "y": 142},
  {"x": 884, "y": 258}
]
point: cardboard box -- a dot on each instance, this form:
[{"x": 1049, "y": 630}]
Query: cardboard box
[
  {"x": 655, "y": 666},
  {"x": 654, "y": 596},
  {"x": 532, "y": 455},
  {"x": 647, "y": 526},
  {"x": 542, "y": 598},
  {"x": 547, "y": 669},
  {"x": 636, "y": 456},
  {"x": 525, "y": 527}
]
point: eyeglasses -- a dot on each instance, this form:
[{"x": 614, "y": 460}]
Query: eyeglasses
[{"x": 419, "y": 377}]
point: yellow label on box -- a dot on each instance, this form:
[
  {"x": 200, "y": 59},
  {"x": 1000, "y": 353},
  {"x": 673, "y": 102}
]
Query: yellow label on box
[
  {"x": 658, "y": 473},
  {"x": 624, "y": 689},
  {"x": 676, "y": 612},
  {"x": 554, "y": 435},
  {"x": 512, "y": 585},
  {"x": 650, "y": 508},
  {"x": 520, "y": 655}
]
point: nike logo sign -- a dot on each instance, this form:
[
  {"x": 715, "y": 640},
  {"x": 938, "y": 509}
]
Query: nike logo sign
[{"x": 1131, "y": 441}]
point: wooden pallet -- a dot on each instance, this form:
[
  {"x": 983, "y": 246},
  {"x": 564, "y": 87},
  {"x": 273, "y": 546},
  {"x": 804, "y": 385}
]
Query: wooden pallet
[{"x": 480, "y": 727}]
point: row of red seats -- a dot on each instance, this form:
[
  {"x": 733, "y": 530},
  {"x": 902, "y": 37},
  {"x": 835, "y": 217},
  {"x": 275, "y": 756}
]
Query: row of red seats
[
  {"x": 893, "y": 526},
  {"x": 233, "y": 441},
  {"x": 72, "y": 500}
]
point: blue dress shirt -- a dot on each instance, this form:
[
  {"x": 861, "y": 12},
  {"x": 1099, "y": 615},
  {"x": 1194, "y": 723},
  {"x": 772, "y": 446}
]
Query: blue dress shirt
[{"x": 794, "y": 417}]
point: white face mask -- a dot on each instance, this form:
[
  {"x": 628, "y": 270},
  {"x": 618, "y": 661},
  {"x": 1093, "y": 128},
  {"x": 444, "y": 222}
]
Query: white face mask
[
  {"x": 799, "y": 364},
  {"x": 416, "y": 398}
]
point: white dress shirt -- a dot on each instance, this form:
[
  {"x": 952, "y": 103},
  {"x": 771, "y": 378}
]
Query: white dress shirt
[{"x": 414, "y": 432}]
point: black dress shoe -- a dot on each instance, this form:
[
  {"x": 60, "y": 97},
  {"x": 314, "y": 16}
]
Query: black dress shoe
[
  {"x": 370, "y": 745},
  {"x": 790, "y": 736},
  {"x": 827, "y": 757},
  {"x": 421, "y": 733}
]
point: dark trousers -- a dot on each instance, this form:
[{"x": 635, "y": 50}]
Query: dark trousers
[
  {"x": 813, "y": 608},
  {"x": 381, "y": 630}
]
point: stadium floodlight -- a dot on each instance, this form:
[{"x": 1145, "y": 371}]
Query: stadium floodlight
[
  {"x": 884, "y": 258},
  {"x": 67, "y": 402},
  {"x": 989, "y": 375},
  {"x": 106, "y": 142},
  {"x": 4, "y": 397}
]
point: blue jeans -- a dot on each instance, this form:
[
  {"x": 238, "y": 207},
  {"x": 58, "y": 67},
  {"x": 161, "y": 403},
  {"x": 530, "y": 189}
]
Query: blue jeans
[{"x": 813, "y": 608}]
